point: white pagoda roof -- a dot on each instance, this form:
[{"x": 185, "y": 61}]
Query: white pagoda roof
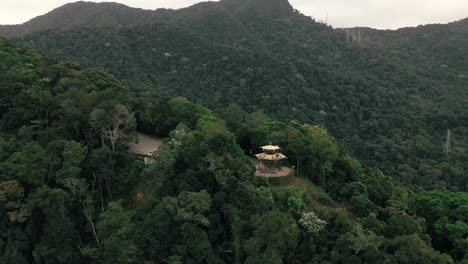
[
  {"x": 272, "y": 157},
  {"x": 270, "y": 148}
]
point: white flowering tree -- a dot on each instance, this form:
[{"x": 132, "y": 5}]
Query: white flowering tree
[{"x": 310, "y": 222}]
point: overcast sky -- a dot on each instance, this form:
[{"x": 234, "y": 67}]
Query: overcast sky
[{"x": 383, "y": 14}]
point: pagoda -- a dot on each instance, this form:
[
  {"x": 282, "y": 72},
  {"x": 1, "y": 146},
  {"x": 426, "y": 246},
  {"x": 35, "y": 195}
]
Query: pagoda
[{"x": 270, "y": 160}]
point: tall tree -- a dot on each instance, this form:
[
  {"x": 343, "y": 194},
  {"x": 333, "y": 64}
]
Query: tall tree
[{"x": 113, "y": 124}]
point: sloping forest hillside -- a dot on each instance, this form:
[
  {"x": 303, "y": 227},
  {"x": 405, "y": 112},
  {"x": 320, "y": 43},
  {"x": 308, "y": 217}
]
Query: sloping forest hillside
[
  {"x": 388, "y": 96},
  {"x": 70, "y": 192}
]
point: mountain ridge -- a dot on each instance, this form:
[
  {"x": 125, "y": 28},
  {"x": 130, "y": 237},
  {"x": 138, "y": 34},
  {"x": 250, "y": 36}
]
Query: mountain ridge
[
  {"x": 86, "y": 13},
  {"x": 118, "y": 14},
  {"x": 81, "y": 13}
]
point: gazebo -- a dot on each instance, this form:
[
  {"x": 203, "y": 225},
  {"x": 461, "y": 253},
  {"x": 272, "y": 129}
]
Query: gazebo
[{"x": 270, "y": 160}]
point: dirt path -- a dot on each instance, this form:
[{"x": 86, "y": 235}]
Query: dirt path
[
  {"x": 305, "y": 188},
  {"x": 296, "y": 182}
]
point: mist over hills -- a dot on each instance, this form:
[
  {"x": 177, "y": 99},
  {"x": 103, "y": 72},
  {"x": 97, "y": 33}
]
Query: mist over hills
[{"x": 388, "y": 96}]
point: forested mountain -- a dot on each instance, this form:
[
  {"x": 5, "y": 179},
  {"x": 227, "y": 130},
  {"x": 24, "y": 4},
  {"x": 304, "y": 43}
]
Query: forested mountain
[
  {"x": 70, "y": 192},
  {"x": 89, "y": 14},
  {"x": 388, "y": 96},
  {"x": 429, "y": 46},
  {"x": 80, "y": 14}
]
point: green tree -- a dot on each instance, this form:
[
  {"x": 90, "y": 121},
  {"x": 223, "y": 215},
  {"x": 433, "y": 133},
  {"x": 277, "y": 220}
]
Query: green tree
[
  {"x": 273, "y": 239},
  {"x": 115, "y": 231},
  {"x": 28, "y": 166},
  {"x": 51, "y": 211}
]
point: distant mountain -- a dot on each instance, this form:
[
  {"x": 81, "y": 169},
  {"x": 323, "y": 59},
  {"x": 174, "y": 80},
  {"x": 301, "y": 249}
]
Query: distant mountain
[
  {"x": 269, "y": 8},
  {"x": 81, "y": 14},
  {"x": 110, "y": 14},
  {"x": 389, "y": 96},
  {"x": 430, "y": 44}
]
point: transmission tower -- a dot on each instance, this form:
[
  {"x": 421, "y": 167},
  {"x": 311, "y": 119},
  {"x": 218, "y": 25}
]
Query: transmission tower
[{"x": 447, "y": 146}]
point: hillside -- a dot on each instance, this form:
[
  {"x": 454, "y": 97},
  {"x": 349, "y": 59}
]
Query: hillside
[
  {"x": 389, "y": 98},
  {"x": 428, "y": 46},
  {"x": 71, "y": 192}
]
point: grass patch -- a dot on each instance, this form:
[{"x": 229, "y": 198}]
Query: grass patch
[
  {"x": 282, "y": 181},
  {"x": 294, "y": 189},
  {"x": 305, "y": 190}
]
